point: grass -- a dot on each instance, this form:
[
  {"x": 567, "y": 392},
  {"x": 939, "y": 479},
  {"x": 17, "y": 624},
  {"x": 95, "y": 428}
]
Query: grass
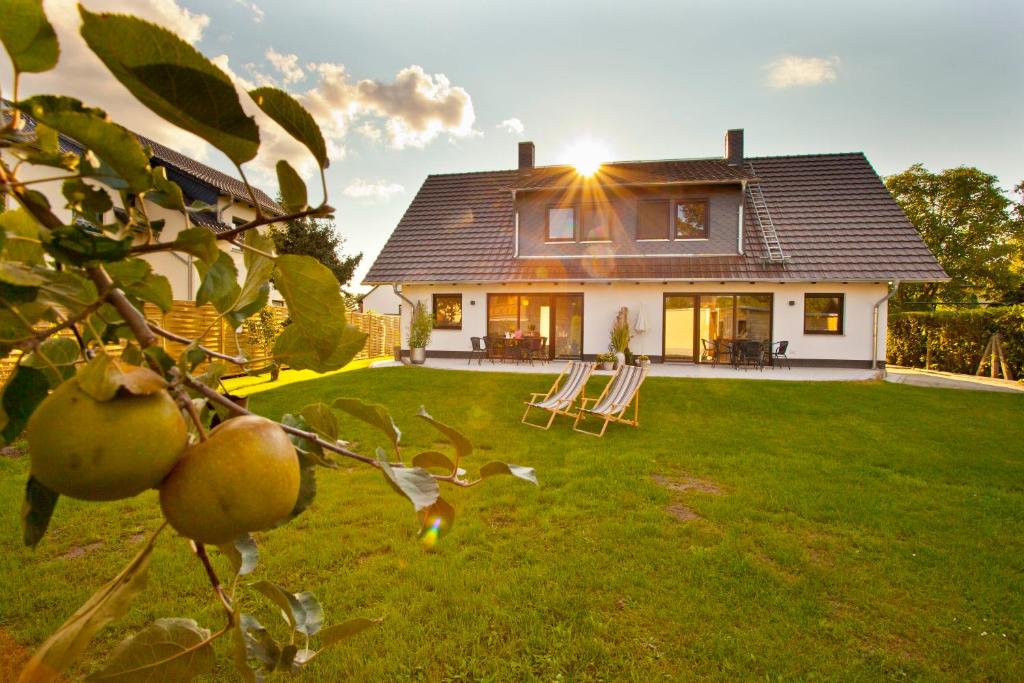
[{"x": 863, "y": 531}]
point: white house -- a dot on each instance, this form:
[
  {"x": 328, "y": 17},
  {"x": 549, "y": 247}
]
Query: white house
[
  {"x": 803, "y": 249},
  {"x": 381, "y": 299},
  {"x": 198, "y": 182}
]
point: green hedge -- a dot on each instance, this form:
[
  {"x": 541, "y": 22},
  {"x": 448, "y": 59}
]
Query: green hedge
[{"x": 956, "y": 339}]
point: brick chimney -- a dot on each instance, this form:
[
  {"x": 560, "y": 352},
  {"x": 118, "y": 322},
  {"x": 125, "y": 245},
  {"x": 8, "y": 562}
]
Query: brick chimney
[
  {"x": 733, "y": 147},
  {"x": 526, "y": 152}
]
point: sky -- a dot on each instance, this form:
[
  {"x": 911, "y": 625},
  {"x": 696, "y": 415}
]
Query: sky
[{"x": 406, "y": 89}]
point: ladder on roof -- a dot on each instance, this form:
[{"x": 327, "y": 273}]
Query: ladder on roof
[{"x": 763, "y": 216}]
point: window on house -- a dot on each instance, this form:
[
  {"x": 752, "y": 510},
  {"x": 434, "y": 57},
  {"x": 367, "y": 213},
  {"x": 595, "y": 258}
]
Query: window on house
[
  {"x": 691, "y": 220},
  {"x": 561, "y": 224},
  {"x": 448, "y": 311},
  {"x": 596, "y": 223},
  {"x": 823, "y": 313},
  {"x": 652, "y": 220},
  {"x": 237, "y": 222}
]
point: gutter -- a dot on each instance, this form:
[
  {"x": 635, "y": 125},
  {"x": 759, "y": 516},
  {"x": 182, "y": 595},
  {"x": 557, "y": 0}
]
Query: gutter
[{"x": 874, "y": 319}]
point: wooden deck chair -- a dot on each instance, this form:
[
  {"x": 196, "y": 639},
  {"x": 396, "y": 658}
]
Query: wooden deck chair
[
  {"x": 611, "y": 405},
  {"x": 562, "y": 395}
]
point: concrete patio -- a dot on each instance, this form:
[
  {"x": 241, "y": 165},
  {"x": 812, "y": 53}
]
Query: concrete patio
[{"x": 801, "y": 374}]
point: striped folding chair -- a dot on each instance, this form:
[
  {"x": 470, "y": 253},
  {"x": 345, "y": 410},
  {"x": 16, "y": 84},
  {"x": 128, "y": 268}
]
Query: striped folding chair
[
  {"x": 561, "y": 397},
  {"x": 622, "y": 391}
]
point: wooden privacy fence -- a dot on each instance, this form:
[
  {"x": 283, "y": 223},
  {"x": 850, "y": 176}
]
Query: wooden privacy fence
[{"x": 253, "y": 339}]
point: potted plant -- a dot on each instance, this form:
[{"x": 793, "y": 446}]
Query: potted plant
[
  {"x": 619, "y": 343},
  {"x": 606, "y": 360},
  {"x": 643, "y": 361},
  {"x": 420, "y": 327}
]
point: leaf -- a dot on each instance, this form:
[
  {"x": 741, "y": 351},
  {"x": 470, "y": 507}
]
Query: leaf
[
  {"x": 220, "y": 283},
  {"x": 22, "y": 241},
  {"x": 321, "y": 420},
  {"x": 167, "y": 649},
  {"x": 137, "y": 279},
  {"x": 291, "y": 349},
  {"x": 414, "y": 483},
  {"x": 436, "y": 521},
  {"x": 110, "y": 602},
  {"x": 174, "y": 80},
  {"x": 314, "y": 301},
  {"x": 290, "y": 115},
  {"x": 67, "y": 290},
  {"x": 332, "y": 635},
  {"x": 372, "y": 414},
  {"x": 14, "y": 273},
  {"x": 256, "y": 288},
  {"x": 241, "y": 643},
  {"x": 166, "y": 193},
  {"x": 259, "y": 644},
  {"x": 428, "y": 459},
  {"x": 114, "y": 144},
  {"x": 36, "y": 511},
  {"x": 103, "y": 377},
  {"x": 25, "y": 389},
  {"x": 200, "y": 242},
  {"x": 85, "y": 199},
  {"x": 242, "y": 553},
  {"x": 496, "y": 468},
  {"x": 293, "y": 189},
  {"x": 28, "y": 37},
  {"x": 76, "y": 246},
  {"x": 302, "y": 611},
  {"x": 307, "y": 484},
  {"x": 59, "y": 352},
  {"x": 463, "y": 448}
]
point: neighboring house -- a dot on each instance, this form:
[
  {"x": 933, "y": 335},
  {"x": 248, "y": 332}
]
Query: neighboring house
[
  {"x": 792, "y": 248},
  {"x": 198, "y": 182},
  {"x": 381, "y": 299}
]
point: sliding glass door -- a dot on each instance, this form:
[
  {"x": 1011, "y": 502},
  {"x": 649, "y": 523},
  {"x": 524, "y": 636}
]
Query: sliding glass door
[
  {"x": 556, "y": 317},
  {"x": 696, "y": 322}
]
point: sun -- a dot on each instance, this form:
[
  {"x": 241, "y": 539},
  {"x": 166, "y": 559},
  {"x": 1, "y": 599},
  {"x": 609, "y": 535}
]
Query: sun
[{"x": 586, "y": 155}]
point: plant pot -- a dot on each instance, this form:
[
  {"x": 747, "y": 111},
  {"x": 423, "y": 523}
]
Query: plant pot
[
  {"x": 417, "y": 355},
  {"x": 606, "y": 365},
  {"x": 645, "y": 363},
  {"x": 620, "y": 359},
  {"x": 397, "y": 352}
]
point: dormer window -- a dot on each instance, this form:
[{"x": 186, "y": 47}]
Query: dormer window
[
  {"x": 561, "y": 224},
  {"x": 652, "y": 219},
  {"x": 691, "y": 220},
  {"x": 596, "y": 223}
]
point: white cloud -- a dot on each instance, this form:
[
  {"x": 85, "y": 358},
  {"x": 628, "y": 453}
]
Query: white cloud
[
  {"x": 257, "y": 11},
  {"x": 380, "y": 190},
  {"x": 790, "y": 71},
  {"x": 513, "y": 125},
  {"x": 286, "y": 65},
  {"x": 369, "y": 131}
]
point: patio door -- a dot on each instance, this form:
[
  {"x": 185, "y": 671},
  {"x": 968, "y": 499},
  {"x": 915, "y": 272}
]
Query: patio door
[
  {"x": 693, "y": 321},
  {"x": 556, "y": 317},
  {"x": 679, "y": 326}
]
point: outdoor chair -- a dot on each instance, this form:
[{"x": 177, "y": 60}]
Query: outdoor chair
[
  {"x": 495, "y": 347},
  {"x": 779, "y": 354},
  {"x": 611, "y": 405},
  {"x": 561, "y": 398},
  {"x": 478, "y": 351},
  {"x": 750, "y": 353},
  {"x": 709, "y": 351},
  {"x": 532, "y": 349}
]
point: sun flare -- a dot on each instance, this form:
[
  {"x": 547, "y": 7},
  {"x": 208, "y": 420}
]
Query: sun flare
[{"x": 586, "y": 155}]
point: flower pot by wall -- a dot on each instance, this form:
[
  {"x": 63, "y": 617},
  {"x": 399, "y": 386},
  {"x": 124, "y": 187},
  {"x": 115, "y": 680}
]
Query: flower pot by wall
[
  {"x": 606, "y": 365},
  {"x": 417, "y": 355},
  {"x": 397, "y": 351},
  {"x": 620, "y": 359}
]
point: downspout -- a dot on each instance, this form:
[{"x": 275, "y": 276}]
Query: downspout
[
  {"x": 412, "y": 308},
  {"x": 739, "y": 226},
  {"x": 515, "y": 213},
  {"x": 874, "y": 316}
]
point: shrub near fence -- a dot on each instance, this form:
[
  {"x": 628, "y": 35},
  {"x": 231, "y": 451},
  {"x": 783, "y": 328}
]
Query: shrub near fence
[
  {"x": 954, "y": 340},
  {"x": 185, "y": 319}
]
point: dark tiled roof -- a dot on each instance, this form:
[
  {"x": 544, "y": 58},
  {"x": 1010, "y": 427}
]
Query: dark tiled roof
[
  {"x": 834, "y": 217},
  {"x": 636, "y": 173}
]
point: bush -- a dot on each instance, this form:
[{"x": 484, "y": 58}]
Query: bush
[
  {"x": 954, "y": 340},
  {"x": 420, "y": 327}
]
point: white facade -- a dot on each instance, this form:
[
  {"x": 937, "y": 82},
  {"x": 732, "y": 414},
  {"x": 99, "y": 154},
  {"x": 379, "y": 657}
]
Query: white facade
[
  {"x": 381, "y": 299},
  {"x": 602, "y": 301}
]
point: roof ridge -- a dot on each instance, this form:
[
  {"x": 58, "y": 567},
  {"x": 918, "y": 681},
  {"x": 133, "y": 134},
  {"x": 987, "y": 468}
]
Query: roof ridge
[{"x": 807, "y": 156}]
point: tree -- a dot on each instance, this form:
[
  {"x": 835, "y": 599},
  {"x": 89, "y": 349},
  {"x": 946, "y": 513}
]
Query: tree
[
  {"x": 318, "y": 238},
  {"x": 967, "y": 221},
  {"x": 105, "y": 427}
]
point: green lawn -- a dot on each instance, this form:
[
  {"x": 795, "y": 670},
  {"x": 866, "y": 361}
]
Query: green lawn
[{"x": 862, "y": 531}]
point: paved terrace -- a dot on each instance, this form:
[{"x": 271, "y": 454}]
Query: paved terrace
[{"x": 663, "y": 370}]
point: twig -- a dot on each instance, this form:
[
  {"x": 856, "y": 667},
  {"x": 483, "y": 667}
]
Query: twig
[
  {"x": 167, "y": 334},
  {"x": 132, "y": 316},
  {"x": 200, "y": 550}
]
